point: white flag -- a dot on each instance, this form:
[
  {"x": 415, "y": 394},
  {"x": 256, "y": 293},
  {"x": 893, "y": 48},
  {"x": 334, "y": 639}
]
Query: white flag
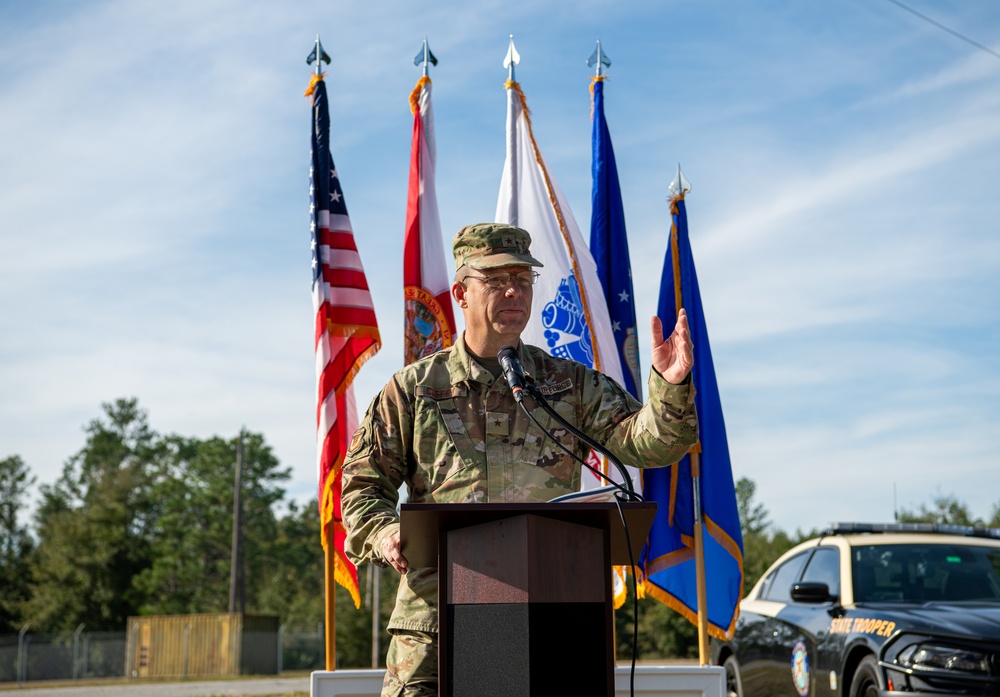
[{"x": 569, "y": 316}]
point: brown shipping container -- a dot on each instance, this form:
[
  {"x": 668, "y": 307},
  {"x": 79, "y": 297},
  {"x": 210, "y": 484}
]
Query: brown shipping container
[{"x": 162, "y": 646}]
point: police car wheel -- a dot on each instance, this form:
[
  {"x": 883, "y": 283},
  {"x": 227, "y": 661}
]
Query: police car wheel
[
  {"x": 865, "y": 681},
  {"x": 734, "y": 686}
]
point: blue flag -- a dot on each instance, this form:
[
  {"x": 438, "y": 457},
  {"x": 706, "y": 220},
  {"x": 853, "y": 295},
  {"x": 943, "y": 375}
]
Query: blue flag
[
  {"x": 669, "y": 561},
  {"x": 610, "y": 248}
]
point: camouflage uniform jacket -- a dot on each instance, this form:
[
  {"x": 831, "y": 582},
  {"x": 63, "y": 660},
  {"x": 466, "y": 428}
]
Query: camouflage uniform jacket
[{"x": 452, "y": 433}]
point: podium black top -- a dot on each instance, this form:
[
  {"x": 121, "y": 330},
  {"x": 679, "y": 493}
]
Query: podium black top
[{"x": 422, "y": 523}]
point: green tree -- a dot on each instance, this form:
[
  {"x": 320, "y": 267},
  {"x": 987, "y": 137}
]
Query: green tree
[
  {"x": 15, "y": 542},
  {"x": 994, "y": 521},
  {"x": 294, "y": 589},
  {"x": 354, "y": 626},
  {"x": 944, "y": 509},
  {"x": 762, "y": 544},
  {"x": 191, "y": 541},
  {"x": 663, "y": 632},
  {"x": 92, "y": 526}
]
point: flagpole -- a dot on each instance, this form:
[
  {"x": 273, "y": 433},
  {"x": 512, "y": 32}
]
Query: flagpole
[
  {"x": 329, "y": 549},
  {"x": 330, "y": 607},
  {"x": 604, "y": 460},
  {"x": 699, "y": 551},
  {"x": 329, "y": 546},
  {"x": 678, "y": 190},
  {"x": 329, "y": 595}
]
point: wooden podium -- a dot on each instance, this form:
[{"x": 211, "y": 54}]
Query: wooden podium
[{"x": 524, "y": 592}]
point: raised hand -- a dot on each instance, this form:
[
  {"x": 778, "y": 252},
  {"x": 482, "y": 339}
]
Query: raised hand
[{"x": 674, "y": 356}]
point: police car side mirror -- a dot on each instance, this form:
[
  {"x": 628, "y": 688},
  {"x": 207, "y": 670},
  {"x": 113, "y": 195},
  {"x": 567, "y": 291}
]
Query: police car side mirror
[{"x": 811, "y": 593}]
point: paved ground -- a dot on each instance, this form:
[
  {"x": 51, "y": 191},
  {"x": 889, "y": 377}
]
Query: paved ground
[{"x": 229, "y": 688}]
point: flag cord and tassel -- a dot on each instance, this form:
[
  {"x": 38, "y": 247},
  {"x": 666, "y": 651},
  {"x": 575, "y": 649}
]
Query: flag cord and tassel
[{"x": 415, "y": 94}]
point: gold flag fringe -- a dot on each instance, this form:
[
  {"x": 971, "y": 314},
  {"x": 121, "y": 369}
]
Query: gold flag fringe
[
  {"x": 312, "y": 84},
  {"x": 593, "y": 79},
  {"x": 415, "y": 94}
]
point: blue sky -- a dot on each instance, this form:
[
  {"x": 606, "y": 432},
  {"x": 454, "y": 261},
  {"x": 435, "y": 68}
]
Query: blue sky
[{"x": 843, "y": 156}]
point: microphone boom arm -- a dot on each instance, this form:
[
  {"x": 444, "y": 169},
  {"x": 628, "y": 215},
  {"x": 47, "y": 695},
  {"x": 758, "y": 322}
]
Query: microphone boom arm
[{"x": 627, "y": 485}]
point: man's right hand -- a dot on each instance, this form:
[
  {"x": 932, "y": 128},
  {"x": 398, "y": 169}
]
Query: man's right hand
[{"x": 391, "y": 552}]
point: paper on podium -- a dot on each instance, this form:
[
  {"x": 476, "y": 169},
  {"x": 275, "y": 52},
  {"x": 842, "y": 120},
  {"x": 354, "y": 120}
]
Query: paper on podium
[{"x": 605, "y": 494}]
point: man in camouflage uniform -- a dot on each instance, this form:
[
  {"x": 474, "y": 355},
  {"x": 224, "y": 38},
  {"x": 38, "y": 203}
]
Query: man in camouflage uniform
[{"x": 448, "y": 427}]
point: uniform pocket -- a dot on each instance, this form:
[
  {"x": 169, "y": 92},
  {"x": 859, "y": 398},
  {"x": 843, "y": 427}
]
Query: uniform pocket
[
  {"x": 438, "y": 436},
  {"x": 542, "y": 447}
]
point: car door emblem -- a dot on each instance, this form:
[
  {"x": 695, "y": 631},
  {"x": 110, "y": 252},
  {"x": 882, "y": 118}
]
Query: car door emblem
[{"x": 800, "y": 668}]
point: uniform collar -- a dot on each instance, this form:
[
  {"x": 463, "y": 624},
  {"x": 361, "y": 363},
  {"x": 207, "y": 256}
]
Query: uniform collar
[{"x": 462, "y": 366}]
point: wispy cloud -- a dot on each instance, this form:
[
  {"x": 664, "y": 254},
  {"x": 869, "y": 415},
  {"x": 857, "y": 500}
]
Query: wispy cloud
[{"x": 153, "y": 222}]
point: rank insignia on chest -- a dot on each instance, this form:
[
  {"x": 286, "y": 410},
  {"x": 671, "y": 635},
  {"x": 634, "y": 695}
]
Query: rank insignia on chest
[{"x": 496, "y": 423}]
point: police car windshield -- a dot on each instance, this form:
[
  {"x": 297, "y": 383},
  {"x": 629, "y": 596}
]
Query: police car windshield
[{"x": 922, "y": 573}]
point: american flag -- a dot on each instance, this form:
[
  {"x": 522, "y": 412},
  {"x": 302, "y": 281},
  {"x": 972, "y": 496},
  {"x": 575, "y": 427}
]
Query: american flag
[{"x": 346, "y": 331}]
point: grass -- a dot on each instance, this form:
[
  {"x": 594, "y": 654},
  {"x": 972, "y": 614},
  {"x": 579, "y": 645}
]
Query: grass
[{"x": 97, "y": 682}]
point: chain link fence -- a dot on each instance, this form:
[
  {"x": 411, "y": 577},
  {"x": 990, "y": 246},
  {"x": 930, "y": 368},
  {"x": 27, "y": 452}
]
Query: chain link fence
[
  {"x": 28, "y": 656},
  {"x": 302, "y": 651}
]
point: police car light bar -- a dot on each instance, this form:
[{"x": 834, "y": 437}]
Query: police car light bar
[{"x": 930, "y": 528}]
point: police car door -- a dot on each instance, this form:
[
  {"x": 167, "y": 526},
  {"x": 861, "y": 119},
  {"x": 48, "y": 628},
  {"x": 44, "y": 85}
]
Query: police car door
[
  {"x": 776, "y": 637},
  {"x": 805, "y": 625},
  {"x": 792, "y": 668}
]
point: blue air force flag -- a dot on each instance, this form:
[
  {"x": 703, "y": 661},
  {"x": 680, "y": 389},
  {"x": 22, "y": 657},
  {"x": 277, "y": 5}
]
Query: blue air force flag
[
  {"x": 609, "y": 246},
  {"x": 669, "y": 555}
]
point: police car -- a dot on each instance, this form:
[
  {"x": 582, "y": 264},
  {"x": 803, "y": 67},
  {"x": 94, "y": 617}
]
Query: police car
[{"x": 872, "y": 609}]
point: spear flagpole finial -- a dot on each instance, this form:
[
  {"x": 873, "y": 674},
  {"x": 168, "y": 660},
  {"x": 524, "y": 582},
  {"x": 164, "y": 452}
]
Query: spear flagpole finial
[
  {"x": 318, "y": 55},
  {"x": 511, "y": 59},
  {"x": 425, "y": 57},
  {"x": 680, "y": 185},
  {"x": 600, "y": 59}
]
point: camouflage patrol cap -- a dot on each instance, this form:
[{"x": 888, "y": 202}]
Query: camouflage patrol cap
[{"x": 492, "y": 245}]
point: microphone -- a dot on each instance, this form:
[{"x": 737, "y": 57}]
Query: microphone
[{"x": 513, "y": 373}]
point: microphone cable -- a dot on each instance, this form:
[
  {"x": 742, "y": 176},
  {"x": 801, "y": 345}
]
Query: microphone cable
[
  {"x": 626, "y": 487},
  {"x": 635, "y": 601},
  {"x": 629, "y": 493},
  {"x": 513, "y": 373}
]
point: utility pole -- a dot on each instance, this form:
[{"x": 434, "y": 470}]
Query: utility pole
[{"x": 237, "y": 579}]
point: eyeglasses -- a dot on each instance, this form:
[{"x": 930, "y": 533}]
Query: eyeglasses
[{"x": 499, "y": 281}]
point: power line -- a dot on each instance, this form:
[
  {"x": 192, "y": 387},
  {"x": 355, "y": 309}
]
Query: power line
[{"x": 950, "y": 31}]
